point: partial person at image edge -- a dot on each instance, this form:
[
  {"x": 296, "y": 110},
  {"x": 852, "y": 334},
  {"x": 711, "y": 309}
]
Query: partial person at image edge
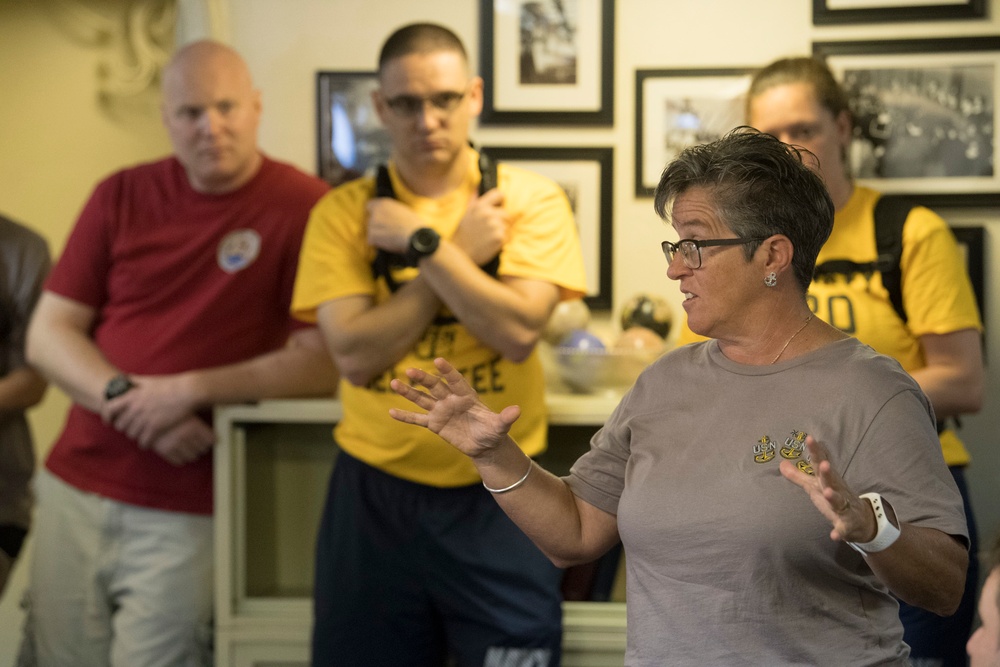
[{"x": 24, "y": 264}]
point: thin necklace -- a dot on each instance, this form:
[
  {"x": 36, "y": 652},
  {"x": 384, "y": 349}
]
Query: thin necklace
[{"x": 785, "y": 347}]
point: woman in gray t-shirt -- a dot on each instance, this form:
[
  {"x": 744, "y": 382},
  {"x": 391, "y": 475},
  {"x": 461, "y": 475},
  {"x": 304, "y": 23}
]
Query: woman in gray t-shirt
[{"x": 775, "y": 488}]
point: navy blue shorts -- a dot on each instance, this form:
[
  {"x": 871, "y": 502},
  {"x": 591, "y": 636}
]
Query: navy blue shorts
[
  {"x": 408, "y": 574},
  {"x": 938, "y": 640}
]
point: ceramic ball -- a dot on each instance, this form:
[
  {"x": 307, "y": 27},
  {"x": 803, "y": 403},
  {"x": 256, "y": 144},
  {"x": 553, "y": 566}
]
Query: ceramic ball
[
  {"x": 640, "y": 339},
  {"x": 581, "y": 339},
  {"x": 651, "y": 312},
  {"x": 566, "y": 317}
]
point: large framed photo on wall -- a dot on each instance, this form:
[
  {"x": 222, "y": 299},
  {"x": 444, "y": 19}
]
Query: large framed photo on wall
[
  {"x": 585, "y": 175},
  {"x": 351, "y": 140},
  {"x": 832, "y": 12},
  {"x": 677, "y": 108},
  {"x": 925, "y": 115},
  {"x": 547, "y": 62}
]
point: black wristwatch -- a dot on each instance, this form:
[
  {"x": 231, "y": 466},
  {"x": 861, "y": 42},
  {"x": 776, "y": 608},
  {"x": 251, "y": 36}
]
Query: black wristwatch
[
  {"x": 423, "y": 243},
  {"x": 117, "y": 386}
]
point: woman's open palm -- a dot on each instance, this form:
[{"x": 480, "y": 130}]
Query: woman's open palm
[{"x": 453, "y": 409}]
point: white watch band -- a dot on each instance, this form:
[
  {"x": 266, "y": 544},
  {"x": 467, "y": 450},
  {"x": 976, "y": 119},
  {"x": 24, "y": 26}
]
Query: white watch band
[{"x": 886, "y": 534}]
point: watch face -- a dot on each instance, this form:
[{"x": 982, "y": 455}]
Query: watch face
[
  {"x": 117, "y": 386},
  {"x": 423, "y": 243},
  {"x": 425, "y": 240}
]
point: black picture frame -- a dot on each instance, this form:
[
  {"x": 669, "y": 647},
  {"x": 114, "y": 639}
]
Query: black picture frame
[
  {"x": 350, "y": 138},
  {"x": 590, "y": 193},
  {"x": 972, "y": 240},
  {"x": 577, "y": 88},
  {"x": 925, "y": 115},
  {"x": 826, "y": 12},
  {"x": 676, "y": 108}
]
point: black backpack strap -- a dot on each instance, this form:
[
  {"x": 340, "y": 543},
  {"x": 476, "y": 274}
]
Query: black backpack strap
[
  {"x": 488, "y": 171},
  {"x": 488, "y": 181},
  {"x": 890, "y": 216},
  {"x": 384, "y": 261},
  {"x": 383, "y": 183}
]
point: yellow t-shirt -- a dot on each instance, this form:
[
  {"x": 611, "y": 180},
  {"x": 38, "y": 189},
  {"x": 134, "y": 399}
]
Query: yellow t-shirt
[
  {"x": 937, "y": 294},
  {"x": 336, "y": 262}
]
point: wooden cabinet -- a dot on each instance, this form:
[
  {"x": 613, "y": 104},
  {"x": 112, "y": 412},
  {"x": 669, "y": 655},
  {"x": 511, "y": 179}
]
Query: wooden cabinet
[{"x": 272, "y": 465}]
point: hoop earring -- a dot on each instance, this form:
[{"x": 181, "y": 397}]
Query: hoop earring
[{"x": 771, "y": 279}]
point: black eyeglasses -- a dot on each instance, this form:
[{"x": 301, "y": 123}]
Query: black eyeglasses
[
  {"x": 690, "y": 249},
  {"x": 410, "y": 106}
]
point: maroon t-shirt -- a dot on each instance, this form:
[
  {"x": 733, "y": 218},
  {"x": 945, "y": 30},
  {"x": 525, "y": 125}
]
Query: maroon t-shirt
[{"x": 180, "y": 280}]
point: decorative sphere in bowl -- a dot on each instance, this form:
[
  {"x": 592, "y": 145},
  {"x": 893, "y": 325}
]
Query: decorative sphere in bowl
[
  {"x": 567, "y": 317},
  {"x": 648, "y": 311}
]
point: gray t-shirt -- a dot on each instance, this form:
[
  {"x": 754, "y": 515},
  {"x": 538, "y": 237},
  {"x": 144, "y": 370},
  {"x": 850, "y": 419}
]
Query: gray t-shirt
[
  {"x": 24, "y": 263},
  {"x": 729, "y": 563}
]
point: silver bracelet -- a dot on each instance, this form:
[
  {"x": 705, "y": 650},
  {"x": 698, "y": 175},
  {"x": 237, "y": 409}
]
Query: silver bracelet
[{"x": 516, "y": 484}]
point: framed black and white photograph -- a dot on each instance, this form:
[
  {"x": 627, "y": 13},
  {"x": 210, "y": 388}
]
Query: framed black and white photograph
[
  {"x": 585, "y": 175},
  {"x": 834, "y": 12},
  {"x": 677, "y": 108},
  {"x": 925, "y": 114},
  {"x": 971, "y": 240},
  {"x": 547, "y": 62},
  {"x": 350, "y": 135}
]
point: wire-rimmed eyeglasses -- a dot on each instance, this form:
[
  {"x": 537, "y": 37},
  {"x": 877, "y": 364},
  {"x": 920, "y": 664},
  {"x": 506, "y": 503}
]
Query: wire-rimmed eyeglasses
[
  {"x": 410, "y": 106},
  {"x": 690, "y": 249}
]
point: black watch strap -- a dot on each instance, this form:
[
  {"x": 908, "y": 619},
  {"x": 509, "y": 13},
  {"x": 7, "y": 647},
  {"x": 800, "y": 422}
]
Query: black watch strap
[{"x": 117, "y": 386}]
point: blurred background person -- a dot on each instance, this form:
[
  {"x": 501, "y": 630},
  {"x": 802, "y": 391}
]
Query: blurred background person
[
  {"x": 171, "y": 296},
  {"x": 410, "y": 546},
  {"x": 24, "y": 263}
]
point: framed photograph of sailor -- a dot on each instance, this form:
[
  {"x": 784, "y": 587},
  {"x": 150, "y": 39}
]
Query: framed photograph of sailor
[
  {"x": 833, "y": 12},
  {"x": 585, "y": 174},
  {"x": 925, "y": 114},
  {"x": 677, "y": 108},
  {"x": 351, "y": 140},
  {"x": 546, "y": 62}
]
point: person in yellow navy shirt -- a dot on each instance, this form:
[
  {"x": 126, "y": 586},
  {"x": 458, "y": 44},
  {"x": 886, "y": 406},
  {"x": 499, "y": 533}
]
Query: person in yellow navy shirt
[
  {"x": 798, "y": 101},
  {"x": 411, "y": 546}
]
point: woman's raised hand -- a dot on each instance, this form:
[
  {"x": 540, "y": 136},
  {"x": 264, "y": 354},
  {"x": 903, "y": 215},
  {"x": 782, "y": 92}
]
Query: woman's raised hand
[
  {"x": 851, "y": 517},
  {"x": 453, "y": 410}
]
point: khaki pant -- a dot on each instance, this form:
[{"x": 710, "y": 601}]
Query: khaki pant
[{"x": 116, "y": 585}]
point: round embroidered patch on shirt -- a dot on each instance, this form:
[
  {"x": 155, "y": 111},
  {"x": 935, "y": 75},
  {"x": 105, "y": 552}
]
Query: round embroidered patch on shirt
[{"x": 238, "y": 250}]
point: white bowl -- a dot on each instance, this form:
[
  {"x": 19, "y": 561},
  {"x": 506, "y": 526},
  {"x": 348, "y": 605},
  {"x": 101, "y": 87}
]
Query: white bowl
[{"x": 594, "y": 371}]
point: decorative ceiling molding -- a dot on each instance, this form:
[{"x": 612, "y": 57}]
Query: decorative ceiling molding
[{"x": 134, "y": 37}]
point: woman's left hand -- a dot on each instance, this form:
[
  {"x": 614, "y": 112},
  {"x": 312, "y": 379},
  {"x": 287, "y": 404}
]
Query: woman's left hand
[{"x": 852, "y": 517}]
